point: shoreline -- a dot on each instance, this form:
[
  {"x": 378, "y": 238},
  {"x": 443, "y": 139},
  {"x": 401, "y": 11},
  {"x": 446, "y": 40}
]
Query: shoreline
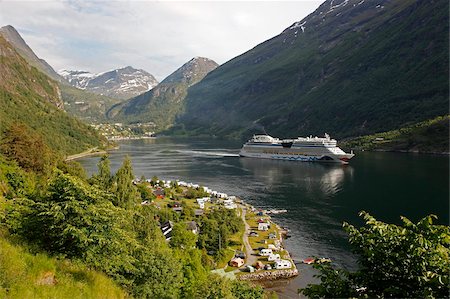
[{"x": 88, "y": 153}]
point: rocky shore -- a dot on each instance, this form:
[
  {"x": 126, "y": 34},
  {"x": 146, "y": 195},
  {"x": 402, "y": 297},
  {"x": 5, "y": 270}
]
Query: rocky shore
[{"x": 270, "y": 275}]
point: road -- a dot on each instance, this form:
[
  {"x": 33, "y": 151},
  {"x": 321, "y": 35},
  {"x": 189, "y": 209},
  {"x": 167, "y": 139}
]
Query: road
[{"x": 251, "y": 258}]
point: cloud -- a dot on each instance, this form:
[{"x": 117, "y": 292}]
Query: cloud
[{"x": 158, "y": 36}]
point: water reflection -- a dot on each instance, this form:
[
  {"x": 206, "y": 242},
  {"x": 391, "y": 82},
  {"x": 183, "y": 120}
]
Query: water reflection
[{"x": 314, "y": 177}]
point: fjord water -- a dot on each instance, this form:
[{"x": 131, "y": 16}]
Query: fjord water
[{"x": 318, "y": 197}]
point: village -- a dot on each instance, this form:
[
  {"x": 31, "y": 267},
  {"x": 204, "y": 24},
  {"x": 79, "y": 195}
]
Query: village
[{"x": 255, "y": 253}]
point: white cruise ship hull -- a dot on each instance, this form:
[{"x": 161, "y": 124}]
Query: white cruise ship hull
[{"x": 298, "y": 156}]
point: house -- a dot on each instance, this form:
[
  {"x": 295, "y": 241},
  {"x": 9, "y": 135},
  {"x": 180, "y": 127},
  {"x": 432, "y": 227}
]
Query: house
[
  {"x": 265, "y": 252},
  {"x": 166, "y": 229},
  {"x": 159, "y": 192},
  {"x": 240, "y": 254},
  {"x": 193, "y": 227},
  {"x": 282, "y": 264},
  {"x": 198, "y": 212},
  {"x": 264, "y": 226},
  {"x": 273, "y": 247},
  {"x": 273, "y": 257},
  {"x": 177, "y": 209},
  {"x": 236, "y": 262}
]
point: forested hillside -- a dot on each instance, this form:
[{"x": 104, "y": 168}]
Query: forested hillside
[{"x": 30, "y": 102}]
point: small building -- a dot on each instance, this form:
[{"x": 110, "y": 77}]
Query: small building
[
  {"x": 159, "y": 192},
  {"x": 282, "y": 264},
  {"x": 273, "y": 257},
  {"x": 240, "y": 254},
  {"x": 166, "y": 229},
  {"x": 198, "y": 212},
  {"x": 265, "y": 252},
  {"x": 272, "y": 236},
  {"x": 263, "y": 226},
  {"x": 192, "y": 226},
  {"x": 177, "y": 209},
  {"x": 236, "y": 262}
]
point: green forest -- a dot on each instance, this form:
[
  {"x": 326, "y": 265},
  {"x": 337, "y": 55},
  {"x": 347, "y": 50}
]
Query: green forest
[{"x": 68, "y": 231}]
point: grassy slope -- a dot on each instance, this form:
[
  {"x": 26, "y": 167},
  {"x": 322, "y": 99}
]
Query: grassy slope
[
  {"x": 94, "y": 108},
  {"x": 361, "y": 72},
  {"x": 26, "y": 96},
  {"x": 431, "y": 136},
  {"x": 22, "y": 275}
]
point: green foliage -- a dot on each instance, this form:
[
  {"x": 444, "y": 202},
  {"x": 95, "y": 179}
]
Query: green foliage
[
  {"x": 103, "y": 178},
  {"x": 182, "y": 237},
  {"x": 409, "y": 261},
  {"x": 123, "y": 187},
  {"x": 427, "y": 136},
  {"x": 29, "y": 97},
  {"x": 16, "y": 144},
  {"x": 27, "y": 275},
  {"x": 217, "y": 229}
]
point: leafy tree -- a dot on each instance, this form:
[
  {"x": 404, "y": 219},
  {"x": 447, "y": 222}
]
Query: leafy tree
[
  {"x": 408, "y": 260},
  {"x": 243, "y": 290},
  {"x": 123, "y": 187},
  {"x": 182, "y": 238},
  {"x": 104, "y": 177},
  {"x": 145, "y": 192},
  {"x": 26, "y": 147}
]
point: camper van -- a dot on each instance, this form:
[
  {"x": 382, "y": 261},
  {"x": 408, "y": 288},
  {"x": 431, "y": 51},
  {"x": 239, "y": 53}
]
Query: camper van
[
  {"x": 282, "y": 264},
  {"x": 265, "y": 252}
]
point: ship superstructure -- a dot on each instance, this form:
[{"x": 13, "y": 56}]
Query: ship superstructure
[{"x": 323, "y": 149}]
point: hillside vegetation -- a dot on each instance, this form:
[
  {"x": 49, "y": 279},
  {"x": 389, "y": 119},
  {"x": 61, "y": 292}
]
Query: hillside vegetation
[
  {"x": 350, "y": 68},
  {"x": 165, "y": 102},
  {"x": 431, "y": 136},
  {"x": 29, "y": 97},
  {"x": 24, "y": 274}
]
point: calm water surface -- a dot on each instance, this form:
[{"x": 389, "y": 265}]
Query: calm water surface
[{"x": 318, "y": 197}]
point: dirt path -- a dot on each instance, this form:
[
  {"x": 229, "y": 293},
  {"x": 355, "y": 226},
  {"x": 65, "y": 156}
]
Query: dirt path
[
  {"x": 251, "y": 258},
  {"x": 90, "y": 152}
]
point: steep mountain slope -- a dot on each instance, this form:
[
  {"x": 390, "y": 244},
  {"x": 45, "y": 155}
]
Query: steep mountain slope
[
  {"x": 14, "y": 38},
  {"x": 350, "y": 68},
  {"x": 164, "y": 102},
  {"x": 121, "y": 83},
  {"x": 82, "y": 104},
  {"x": 27, "y": 96}
]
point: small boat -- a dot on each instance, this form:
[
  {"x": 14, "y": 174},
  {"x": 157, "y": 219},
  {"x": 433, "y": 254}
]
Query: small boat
[{"x": 308, "y": 261}]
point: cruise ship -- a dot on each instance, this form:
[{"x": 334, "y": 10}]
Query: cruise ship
[{"x": 322, "y": 149}]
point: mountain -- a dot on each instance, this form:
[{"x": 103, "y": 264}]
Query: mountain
[
  {"x": 350, "y": 68},
  {"x": 29, "y": 97},
  {"x": 83, "y": 104},
  {"x": 121, "y": 83},
  {"x": 164, "y": 102},
  {"x": 14, "y": 38}
]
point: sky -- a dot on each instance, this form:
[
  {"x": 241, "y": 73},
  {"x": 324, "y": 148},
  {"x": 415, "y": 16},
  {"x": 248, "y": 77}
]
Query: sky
[{"x": 157, "y": 36}]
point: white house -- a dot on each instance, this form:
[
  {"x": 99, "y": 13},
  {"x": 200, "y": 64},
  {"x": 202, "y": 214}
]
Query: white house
[
  {"x": 263, "y": 226},
  {"x": 282, "y": 264},
  {"x": 265, "y": 252},
  {"x": 273, "y": 257}
]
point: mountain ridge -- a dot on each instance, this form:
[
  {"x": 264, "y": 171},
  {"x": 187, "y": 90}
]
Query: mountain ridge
[
  {"x": 325, "y": 73},
  {"x": 163, "y": 103},
  {"x": 122, "y": 83}
]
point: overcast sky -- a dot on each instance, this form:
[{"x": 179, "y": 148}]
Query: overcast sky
[{"x": 157, "y": 36}]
